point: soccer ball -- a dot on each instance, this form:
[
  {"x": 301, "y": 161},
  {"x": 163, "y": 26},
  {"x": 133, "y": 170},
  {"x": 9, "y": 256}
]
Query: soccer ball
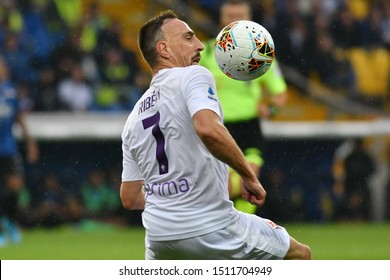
[{"x": 244, "y": 50}]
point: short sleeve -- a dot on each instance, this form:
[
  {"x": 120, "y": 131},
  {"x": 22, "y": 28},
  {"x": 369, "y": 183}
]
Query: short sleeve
[
  {"x": 200, "y": 91},
  {"x": 131, "y": 171}
]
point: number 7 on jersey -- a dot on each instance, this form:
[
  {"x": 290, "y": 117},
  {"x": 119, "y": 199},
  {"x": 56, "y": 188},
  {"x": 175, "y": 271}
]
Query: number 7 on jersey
[{"x": 160, "y": 140}]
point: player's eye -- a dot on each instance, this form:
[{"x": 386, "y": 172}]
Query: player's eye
[{"x": 188, "y": 36}]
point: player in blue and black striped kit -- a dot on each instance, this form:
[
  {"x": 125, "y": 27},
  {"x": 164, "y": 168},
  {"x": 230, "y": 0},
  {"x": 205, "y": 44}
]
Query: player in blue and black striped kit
[{"x": 11, "y": 166}]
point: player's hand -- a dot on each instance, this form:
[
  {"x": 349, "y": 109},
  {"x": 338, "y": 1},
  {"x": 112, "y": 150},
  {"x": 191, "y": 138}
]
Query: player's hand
[{"x": 253, "y": 192}]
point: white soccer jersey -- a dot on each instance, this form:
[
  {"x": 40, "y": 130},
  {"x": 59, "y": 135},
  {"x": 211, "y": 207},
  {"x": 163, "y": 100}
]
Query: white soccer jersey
[{"x": 185, "y": 186}]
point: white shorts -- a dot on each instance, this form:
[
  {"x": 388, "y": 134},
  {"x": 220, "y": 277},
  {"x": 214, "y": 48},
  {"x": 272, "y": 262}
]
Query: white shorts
[{"x": 250, "y": 238}]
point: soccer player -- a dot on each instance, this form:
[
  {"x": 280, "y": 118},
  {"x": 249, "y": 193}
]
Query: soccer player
[
  {"x": 175, "y": 151},
  {"x": 242, "y": 102},
  {"x": 11, "y": 166}
]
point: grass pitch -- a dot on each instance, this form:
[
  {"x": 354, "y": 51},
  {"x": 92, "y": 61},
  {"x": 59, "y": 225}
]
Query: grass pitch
[{"x": 328, "y": 242}]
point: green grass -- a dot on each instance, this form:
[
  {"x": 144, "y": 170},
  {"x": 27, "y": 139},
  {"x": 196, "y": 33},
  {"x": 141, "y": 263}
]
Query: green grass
[
  {"x": 328, "y": 242},
  {"x": 364, "y": 241},
  {"x": 67, "y": 243}
]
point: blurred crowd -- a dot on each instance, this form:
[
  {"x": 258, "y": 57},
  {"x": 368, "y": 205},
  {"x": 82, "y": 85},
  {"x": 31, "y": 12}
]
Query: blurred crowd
[{"x": 62, "y": 58}]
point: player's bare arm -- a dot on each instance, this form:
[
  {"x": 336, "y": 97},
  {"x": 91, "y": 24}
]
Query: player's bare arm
[
  {"x": 132, "y": 195},
  {"x": 220, "y": 143}
]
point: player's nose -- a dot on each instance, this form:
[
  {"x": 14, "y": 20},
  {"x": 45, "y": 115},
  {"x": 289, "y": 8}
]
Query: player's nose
[{"x": 199, "y": 45}]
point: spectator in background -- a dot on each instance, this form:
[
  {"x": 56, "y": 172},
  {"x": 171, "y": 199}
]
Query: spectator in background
[
  {"x": 11, "y": 165},
  {"x": 74, "y": 93},
  {"x": 286, "y": 12},
  {"x": 333, "y": 70},
  {"x": 45, "y": 91},
  {"x": 42, "y": 28},
  {"x": 370, "y": 30},
  {"x": 118, "y": 71},
  {"x": 344, "y": 28},
  {"x": 11, "y": 19},
  {"x": 19, "y": 60},
  {"x": 108, "y": 36},
  {"x": 297, "y": 48},
  {"x": 70, "y": 11},
  {"x": 352, "y": 169},
  {"x": 359, "y": 166},
  {"x": 265, "y": 13},
  {"x": 66, "y": 55},
  {"x": 94, "y": 22},
  {"x": 55, "y": 205},
  {"x": 95, "y": 196}
]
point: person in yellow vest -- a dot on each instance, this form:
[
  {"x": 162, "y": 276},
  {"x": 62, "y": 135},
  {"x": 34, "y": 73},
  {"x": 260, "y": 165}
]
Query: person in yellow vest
[
  {"x": 242, "y": 102},
  {"x": 70, "y": 11}
]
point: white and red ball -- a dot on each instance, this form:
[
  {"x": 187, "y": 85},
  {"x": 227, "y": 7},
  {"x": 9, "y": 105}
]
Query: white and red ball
[{"x": 244, "y": 50}]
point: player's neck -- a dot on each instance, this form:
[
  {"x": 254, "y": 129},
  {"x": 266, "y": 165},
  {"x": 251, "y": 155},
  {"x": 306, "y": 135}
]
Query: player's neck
[{"x": 161, "y": 67}]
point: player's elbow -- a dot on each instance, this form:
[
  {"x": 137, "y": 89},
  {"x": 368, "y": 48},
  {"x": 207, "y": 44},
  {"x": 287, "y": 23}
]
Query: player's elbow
[
  {"x": 127, "y": 203},
  {"x": 131, "y": 197}
]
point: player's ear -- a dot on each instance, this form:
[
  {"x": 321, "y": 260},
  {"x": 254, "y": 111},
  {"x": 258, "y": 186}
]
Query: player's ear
[{"x": 163, "y": 49}]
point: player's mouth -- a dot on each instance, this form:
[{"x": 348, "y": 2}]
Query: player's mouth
[{"x": 196, "y": 59}]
